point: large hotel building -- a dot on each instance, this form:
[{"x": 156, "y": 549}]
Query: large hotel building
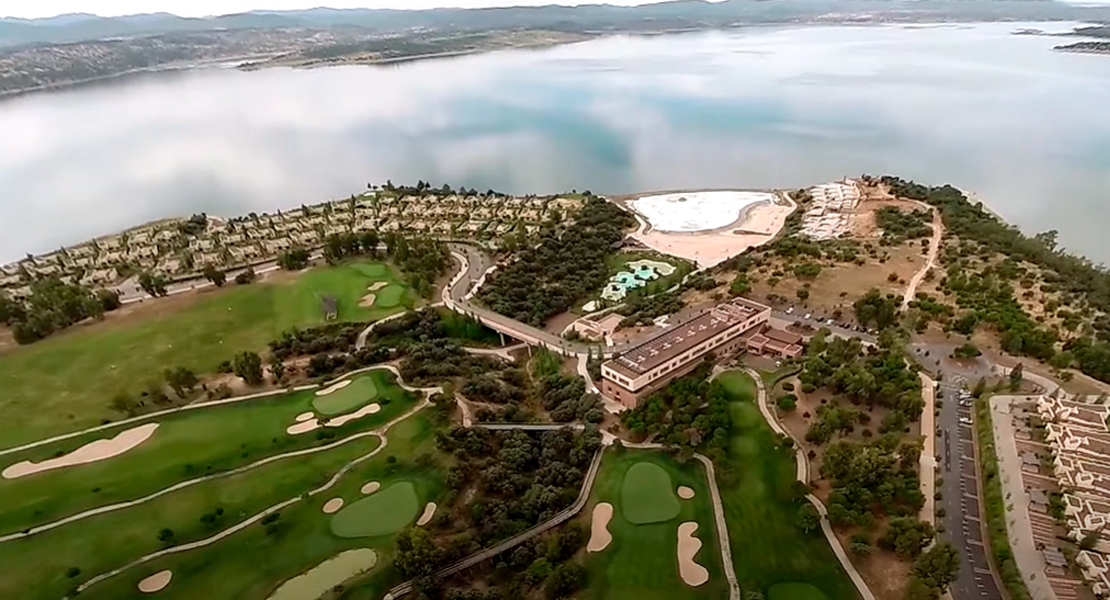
[{"x": 677, "y": 350}]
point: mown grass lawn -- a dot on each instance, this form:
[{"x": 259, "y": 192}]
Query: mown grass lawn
[
  {"x": 186, "y": 445},
  {"x": 252, "y": 563},
  {"x": 641, "y": 563},
  {"x": 66, "y": 382},
  {"x": 768, "y": 547}
]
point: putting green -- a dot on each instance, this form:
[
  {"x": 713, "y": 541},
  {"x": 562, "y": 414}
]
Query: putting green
[
  {"x": 647, "y": 495},
  {"x": 373, "y": 270},
  {"x": 794, "y": 591},
  {"x": 360, "y": 392},
  {"x": 386, "y": 512},
  {"x": 390, "y": 296}
]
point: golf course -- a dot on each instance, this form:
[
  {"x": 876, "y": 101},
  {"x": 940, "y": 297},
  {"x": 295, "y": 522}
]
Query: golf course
[
  {"x": 771, "y": 553},
  {"x": 641, "y": 560},
  {"x": 67, "y": 381}
]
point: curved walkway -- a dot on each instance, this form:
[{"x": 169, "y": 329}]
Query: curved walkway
[
  {"x": 803, "y": 476},
  {"x": 101, "y": 510},
  {"x": 934, "y": 249},
  {"x": 380, "y": 432}
]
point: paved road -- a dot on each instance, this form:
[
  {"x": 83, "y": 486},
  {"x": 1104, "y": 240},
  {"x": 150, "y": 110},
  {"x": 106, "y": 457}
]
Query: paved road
[{"x": 957, "y": 466}]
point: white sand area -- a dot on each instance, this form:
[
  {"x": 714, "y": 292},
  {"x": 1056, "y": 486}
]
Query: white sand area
[
  {"x": 685, "y": 492},
  {"x": 368, "y": 300},
  {"x": 429, "y": 512},
  {"x": 691, "y": 572},
  {"x": 314, "y": 423},
  {"x": 304, "y": 416},
  {"x": 599, "y": 528},
  {"x": 156, "y": 582},
  {"x": 371, "y": 487},
  {"x": 696, "y": 211},
  {"x": 322, "y": 578},
  {"x": 333, "y": 506},
  {"x": 91, "y": 452},
  {"x": 377, "y": 285},
  {"x": 709, "y": 249},
  {"x": 335, "y": 387}
]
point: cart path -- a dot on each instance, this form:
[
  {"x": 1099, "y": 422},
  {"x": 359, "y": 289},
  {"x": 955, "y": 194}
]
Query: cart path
[{"x": 934, "y": 250}]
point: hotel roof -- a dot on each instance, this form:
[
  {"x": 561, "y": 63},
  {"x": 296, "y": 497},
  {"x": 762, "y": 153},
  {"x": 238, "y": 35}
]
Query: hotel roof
[{"x": 680, "y": 338}]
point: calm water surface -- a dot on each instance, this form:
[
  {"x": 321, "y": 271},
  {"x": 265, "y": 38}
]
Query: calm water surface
[{"x": 1026, "y": 128}]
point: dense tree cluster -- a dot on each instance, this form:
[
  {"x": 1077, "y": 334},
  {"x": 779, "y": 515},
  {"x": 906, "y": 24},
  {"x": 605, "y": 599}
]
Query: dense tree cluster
[
  {"x": 689, "y": 414},
  {"x": 831, "y": 420},
  {"x": 562, "y": 270},
  {"x": 899, "y": 225},
  {"x": 293, "y": 259},
  {"x": 644, "y": 309},
  {"x": 423, "y": 260},
  {"x": 563, "y": 396},
  {"x": 52, "y": 306},
  {"x": 873, "y": 479},
  {"x": 871, "y": 376},
  {"x": 338, "y": 247},
  {"x": 933, "y": 571},
  {"x": 332, "y": 337},
  {"x": 873, "y": 309}
]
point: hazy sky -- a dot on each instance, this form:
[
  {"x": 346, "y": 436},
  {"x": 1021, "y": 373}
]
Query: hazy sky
[{"x": 31, "y": 9}]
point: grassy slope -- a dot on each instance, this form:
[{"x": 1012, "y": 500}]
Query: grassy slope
[
  {"x": 767, "y": 545},
  {"x": 641, "y": 563},
  {"x": 184, "y": 446},
  {"x": 249, "y": 565},
  {"x": 66, "y": 382}
]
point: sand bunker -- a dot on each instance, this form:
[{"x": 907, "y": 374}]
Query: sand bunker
[
  {"x": 334, "y": 388},
  {"x": 304, "y": 417},
  {"x": 332, "y": 506},
  {"x": 91, "y": 452},
  {"x": 377, "y": 286},
  {"x": 371, "y": 487},
  {"x": 691, "y": 572},
  {"x": 685, "y": 493},
  {"x": 156, "y": 582},
  {"x": 314, "y": 424},
  {"x": 322, "y": 578},
  {"x": 599, "y": 530},
  {"x": 368, "y": 300},
  {"x": 429, "y": 512}
]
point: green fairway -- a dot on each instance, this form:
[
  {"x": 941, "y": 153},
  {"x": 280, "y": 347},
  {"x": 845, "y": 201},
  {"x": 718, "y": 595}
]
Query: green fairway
[
  {"x": 385, "y": 512},
  {"x": 768, "y": 547},
  {"x": 361, "y": 391},
  {"x": 794, "y": 591},
  {"x": 641, "y": 563},
  {"x": 66, "y": 382},
  {"x": 186, "y": 445},
  {"x": 252, "y": 563},
  {"x": 390, "y": 296},
  {"x": 647, "y": 495}
]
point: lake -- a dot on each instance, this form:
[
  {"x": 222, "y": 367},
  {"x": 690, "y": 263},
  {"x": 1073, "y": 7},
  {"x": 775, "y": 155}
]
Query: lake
[{"x": 1024, "y": 127}]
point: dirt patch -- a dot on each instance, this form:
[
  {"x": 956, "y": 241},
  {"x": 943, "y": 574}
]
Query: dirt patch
[
  {"x": 600, "y": 538},
  {"x": 371, "y": 487},
  {"x": 685, "y": 493},
  {"x": 333, "y": 388},
  {"x": 156, "y": 582},
  {"x": 691, "y": 572},
  {"x": 426, "y": 516},
  {"x": 91, "y": 452},
  {"x": 332, "y": 506},
  {"x": 883, "y": 571},
  {"x": 7, "y": 340}
]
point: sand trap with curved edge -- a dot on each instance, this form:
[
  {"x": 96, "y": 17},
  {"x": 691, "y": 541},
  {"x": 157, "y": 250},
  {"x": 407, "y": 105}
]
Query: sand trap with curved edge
[
  {"x": 685, "y": 492},
  {"x": 371, "y": 487},
  {"x": 322, "y": 578},
  {"x": 90, "y": 452},
  {"x": 429, "y": 512},
  {"x": 304, "y": 416},
  {"x": 377, "y": 285},
  {"x": 333, "y": 506},
  {"x": 156, "y": 582},
  {"x": 691, "y": 572},
  {"x": 314, "y": 424},
  {"x": 368, "y": 300},
  {"x": 599, "y": 529},
  {"x": 333, "y": 388}
]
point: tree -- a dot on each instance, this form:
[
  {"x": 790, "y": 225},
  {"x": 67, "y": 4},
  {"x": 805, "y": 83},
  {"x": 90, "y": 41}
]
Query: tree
[
  {"x": 109, "y": 300},
  {"x": 564, "y": 581},
  {"x": 907, "y": 536},
  {"x": 1016, "y": 375},
  {"x": 277, "y": 369},
  {"x": 293, "y": 259},
  {"x": 248, "y": 366},
  {"x": 875, "y": 309},
  {"x": 245, "y": 277},
  {"x": 417, "y": 554},
  {"x": 182, "y": 380},
  {"x": 153, "y": 284},
  {"x": 165, "y": 535},
  {"x": 808, "y": 519},
  {"x": 803, "y": 294},
  {"x": 966, "y": 350},
  {"x": 938, "y": 567},
  {"x": 215, "y": 275}
]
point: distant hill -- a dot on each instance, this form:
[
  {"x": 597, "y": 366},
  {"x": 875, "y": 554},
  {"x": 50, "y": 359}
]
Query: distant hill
[{"x": 675, "y": 14}]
